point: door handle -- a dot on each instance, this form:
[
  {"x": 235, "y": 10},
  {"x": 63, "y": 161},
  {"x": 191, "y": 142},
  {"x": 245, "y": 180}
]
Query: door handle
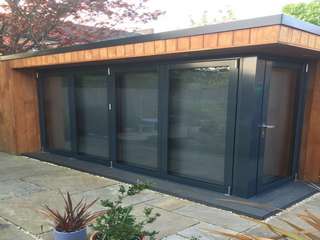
[{"x": 268, "y": 126}]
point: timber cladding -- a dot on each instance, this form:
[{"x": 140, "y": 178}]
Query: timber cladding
[
  {"x": 19, "y": 122},
  {"x": 230, "y": 39},
  {"x": 310, "y": 149}
]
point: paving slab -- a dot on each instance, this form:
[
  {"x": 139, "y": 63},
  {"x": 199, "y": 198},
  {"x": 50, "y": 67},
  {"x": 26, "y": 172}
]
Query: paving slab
[
  {"x": 22, "y": 171},
  {"x": 11, "y": 232},
  {"x": 314, "y": 200},
  {"x": 174, "y": 237},
  {"x": 216, "y": 217},
  {"x": 70, "y": 181},
  {"x": 261, "y": 231},
  {"x": 169, "y": 203},
  {"x": 168, "y": 223},
  {"x": 292, "y": 216},
  {"x": 205, "y": 231},
  {"x": 17, "y": 188},
  {"x": 111, "y": 193},
  {"x": 27, "y": 184},
  {"x": 24, "y": 211}
]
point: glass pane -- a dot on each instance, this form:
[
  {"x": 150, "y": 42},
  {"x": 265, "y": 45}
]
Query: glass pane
[
  {"x": 92, "y": 114},
  {"x": 280, "y": 113},
  {"x": 57, "y": 114},
  {"x": 138, "y": 118},
  {"x": 197, "y": 122}
]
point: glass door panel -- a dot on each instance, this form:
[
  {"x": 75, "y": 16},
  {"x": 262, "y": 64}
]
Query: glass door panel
[
  {"x": 277, "y": 129},
  {"x": 137, "y": 118},
  {"x": 201, "y": 118},
  {"x": 57, "y": 112},
  {"x": 92, "y": 114}
]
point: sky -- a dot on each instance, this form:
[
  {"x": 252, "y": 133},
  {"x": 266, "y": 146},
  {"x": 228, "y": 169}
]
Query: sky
[{"x": 178, "y": 12}]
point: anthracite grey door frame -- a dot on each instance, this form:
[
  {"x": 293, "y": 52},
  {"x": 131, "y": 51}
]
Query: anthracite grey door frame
[
  {"x": 248, "y": 106},
  {"x": 296, "y": 136}
]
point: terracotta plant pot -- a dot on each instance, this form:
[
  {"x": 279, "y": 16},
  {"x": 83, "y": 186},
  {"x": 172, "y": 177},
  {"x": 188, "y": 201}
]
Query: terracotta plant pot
[{"x": 77, "y": 235}]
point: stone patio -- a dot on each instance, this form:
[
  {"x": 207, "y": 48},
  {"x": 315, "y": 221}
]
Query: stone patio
[{"x": 26, "y": 184}]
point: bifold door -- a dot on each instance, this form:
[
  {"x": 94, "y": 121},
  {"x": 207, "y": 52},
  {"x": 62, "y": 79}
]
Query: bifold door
[
  {"x": 75, "y": 116},
  {"x": 137, "y": 118},
  {"x": 177, "y": 120}
]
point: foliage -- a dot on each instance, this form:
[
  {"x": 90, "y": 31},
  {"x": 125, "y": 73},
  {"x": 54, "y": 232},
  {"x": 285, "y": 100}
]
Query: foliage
[
  {"x": 309, "y": 231},
  {"x": 298, "y": 232},
  {"x": 223, "y": 15},
  {"x": 119, "y": 223},
  {"x": 75, "y": 216},
  {"x": 309, "y": 12},
  {"x": 37, "y": 24}
]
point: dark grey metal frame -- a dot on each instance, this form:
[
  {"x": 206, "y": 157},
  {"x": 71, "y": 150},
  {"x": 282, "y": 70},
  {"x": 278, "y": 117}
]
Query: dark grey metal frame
[
  {"x": 244, "y": 165},
  {"x": 297, "y": 122}
]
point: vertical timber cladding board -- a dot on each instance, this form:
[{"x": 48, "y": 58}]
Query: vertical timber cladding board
[
  {"x": 19, "y": 123},
  {"x": 310, "y": 152},
  {"x": 203, "y": 42},
  {"x": 7, "y": 137},
  {"x": 27, "y": 130}
]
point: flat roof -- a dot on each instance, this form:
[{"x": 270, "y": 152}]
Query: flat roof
[{"x": 279, "y": 19}]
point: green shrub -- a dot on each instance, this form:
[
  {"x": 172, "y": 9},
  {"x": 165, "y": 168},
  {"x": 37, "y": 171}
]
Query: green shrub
[{"x": 119, "y": 223}]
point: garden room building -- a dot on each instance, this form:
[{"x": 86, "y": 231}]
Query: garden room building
[{"x": 231, "y": 107}]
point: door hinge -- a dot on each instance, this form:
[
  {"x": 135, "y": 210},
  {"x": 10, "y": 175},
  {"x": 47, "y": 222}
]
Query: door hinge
[
  {"x": 109, "y": 72},
  {"x": 228, "y": 191},
  {"x": 109, "y": 106},
  {"x": 307, "y": 68}
]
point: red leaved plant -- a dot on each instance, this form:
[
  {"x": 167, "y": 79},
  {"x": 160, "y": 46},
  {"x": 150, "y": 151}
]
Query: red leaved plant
[{"x": 74, "y": 217}]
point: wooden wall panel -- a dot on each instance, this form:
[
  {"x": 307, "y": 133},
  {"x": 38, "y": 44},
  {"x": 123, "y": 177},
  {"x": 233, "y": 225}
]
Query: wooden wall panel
[
  {"x": 26, "y": 115},
  {"x": 19, "y": 122},
  {"x": 299, "y": 38},
  {"x": 276, "y": 34},
  {"x": 229, "y": 39},
  {"x": 210, "y": 41},
  {"x": 7, "y": 143},
  {"x": 197, "y": 42},
  {"x": 310, "y": 148}
]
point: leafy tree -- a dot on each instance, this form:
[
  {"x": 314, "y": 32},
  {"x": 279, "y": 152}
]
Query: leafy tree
[
  {"x": 309, "y": 12},
  {"x": 35, "y": 24},
  {"x": 223, "y": 15}
]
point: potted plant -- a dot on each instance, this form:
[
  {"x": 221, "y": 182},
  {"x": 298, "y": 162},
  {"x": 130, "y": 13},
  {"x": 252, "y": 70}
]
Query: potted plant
[
  {"x": 119, "y": 223},
  {"x": 71, "y": 224}
]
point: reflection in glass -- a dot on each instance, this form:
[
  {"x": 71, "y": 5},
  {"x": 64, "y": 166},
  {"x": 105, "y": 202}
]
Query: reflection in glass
[
  {"x": 280, "y": 113},
  {"x": 137, "y": 97},
  {"x": 57, "y": 114},
  {"x": 92, "y": 114},
  {"x": 197, "y": 123}
]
